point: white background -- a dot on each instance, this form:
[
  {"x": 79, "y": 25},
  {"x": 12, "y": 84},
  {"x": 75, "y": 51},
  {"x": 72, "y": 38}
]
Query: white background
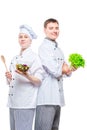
[{"x": 72, "y": 16}]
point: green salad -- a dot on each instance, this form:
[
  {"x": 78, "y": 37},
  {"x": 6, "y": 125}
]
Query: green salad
[
  {"x": 76, "y": 60},
  {"x": 22, "y": 67}
]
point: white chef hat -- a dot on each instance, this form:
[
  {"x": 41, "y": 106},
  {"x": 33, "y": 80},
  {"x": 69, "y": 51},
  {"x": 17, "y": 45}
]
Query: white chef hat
[{"x": 28, "y": 30}]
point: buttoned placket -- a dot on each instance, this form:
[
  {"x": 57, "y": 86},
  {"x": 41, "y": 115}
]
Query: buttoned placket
[
  {"x": 11, "y": 87},
  {"x": 58, "y": 62}
]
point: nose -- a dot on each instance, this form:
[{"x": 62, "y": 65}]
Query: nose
[
  {"x": 23, "y": 38},
  {"x": 55, "y": 30}
]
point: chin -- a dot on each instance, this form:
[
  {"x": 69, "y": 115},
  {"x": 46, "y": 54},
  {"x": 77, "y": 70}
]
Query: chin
[
  {"x": 53, "y": 39},
  {"x": 23, "y": 48}
]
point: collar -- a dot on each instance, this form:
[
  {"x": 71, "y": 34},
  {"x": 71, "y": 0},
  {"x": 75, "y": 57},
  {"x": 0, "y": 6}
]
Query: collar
[
  {"x": 56, "y": 44},
  {"x": 27, "y": 49}
]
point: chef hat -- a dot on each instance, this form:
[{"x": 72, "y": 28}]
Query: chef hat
[{"x": 28, "y": 30}]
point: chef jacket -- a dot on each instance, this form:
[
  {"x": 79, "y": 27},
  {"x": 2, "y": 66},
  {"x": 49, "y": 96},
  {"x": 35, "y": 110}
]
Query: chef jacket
[
  {"x": 52, "y": 58},
  {"x": 22, "y": 93}
]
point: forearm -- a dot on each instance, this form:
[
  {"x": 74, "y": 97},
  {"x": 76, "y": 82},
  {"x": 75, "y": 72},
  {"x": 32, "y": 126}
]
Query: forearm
[{"x": 33, "y": 79}]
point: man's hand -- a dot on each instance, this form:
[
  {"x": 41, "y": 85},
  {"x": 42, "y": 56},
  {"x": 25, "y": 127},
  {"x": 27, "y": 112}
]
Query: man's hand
[{"x": 66, "y": 69}]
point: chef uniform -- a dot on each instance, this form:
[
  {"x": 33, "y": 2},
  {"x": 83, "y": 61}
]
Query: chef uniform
[
  {"x": 50, "y": 95},
  {"x": 22, "y": 93}
]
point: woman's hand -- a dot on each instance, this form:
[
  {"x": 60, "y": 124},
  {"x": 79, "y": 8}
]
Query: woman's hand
[
  {"x": 20, "y": 72},
  {"x": 8, "y": 75}
]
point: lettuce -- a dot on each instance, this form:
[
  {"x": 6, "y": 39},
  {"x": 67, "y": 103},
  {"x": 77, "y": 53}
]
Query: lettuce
[{"x": 76, "y": 60}]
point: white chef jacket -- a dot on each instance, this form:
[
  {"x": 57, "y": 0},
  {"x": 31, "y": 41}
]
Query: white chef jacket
[
  {"x": 22, "y": 93},
  {"x": 52, "y": 58}
]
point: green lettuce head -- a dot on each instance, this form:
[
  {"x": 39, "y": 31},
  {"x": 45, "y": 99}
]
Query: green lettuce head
[{"x": 76, "y": 60}]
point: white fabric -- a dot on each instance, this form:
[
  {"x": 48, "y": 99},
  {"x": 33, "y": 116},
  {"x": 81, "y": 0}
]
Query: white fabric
[
  {"x": 22, "y": 93},
  {"x": 51, "y": 91},
  {"x": 28, "y": 30}
]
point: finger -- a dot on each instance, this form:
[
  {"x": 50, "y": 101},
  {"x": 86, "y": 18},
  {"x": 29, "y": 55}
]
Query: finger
[{"x": 19, "y": 72}]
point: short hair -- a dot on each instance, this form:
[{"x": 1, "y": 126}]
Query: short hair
[{"x": 49, "y": 21}]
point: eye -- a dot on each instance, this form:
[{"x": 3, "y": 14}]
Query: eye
[
  {"x": 20, "y": 36},
  {"x": 25, "y": 36},
  {"x": 50, "y": 28}
]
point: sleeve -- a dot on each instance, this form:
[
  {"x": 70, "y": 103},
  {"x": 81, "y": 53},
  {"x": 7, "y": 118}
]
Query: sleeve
[
  {"x": 37, "y": 69},
  {"x": 51, "y": 65}
]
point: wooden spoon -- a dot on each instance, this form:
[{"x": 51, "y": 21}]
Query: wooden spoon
[{"x": 4, "y": 61}]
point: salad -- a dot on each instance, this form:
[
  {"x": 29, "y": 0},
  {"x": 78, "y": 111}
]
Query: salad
[{"x": 22, "y": 67}]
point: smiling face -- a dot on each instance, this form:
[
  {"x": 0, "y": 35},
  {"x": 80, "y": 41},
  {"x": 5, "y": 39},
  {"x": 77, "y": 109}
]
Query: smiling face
[
  {"x": 24, "y": 41},
  {"x": 52, "y": 30}
]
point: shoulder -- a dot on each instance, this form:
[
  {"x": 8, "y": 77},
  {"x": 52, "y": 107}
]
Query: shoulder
[
  {"x": 33, "y": 55},
  {"x": 45, "y": 45}
]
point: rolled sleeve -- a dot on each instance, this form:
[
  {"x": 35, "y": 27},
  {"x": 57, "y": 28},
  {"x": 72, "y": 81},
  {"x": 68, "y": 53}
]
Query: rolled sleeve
[{"x": 37, "y": 69}]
